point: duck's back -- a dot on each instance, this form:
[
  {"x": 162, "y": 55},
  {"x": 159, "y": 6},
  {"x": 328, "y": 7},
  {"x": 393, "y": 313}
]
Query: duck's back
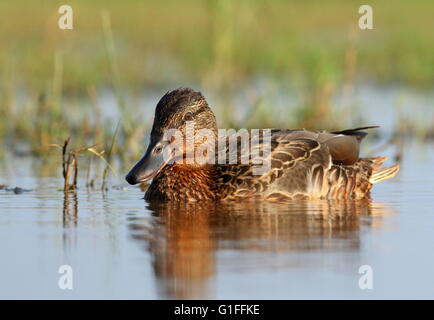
[{"x": 302, "y": 164}]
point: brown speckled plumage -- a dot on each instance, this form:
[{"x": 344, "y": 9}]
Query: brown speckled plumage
[
  {"x": 181, "y": 183},
  {"x": 304, "y": 164}
]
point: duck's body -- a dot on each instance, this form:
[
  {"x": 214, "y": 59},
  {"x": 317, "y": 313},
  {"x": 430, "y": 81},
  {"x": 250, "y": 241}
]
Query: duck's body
[{"x": 303, "y": 164}]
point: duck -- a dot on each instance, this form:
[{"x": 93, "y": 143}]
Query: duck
[{"x": 302, "y": 164}]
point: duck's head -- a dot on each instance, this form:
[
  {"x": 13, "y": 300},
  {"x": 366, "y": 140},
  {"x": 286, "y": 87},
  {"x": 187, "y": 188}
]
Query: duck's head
[{"x": 180, "y": 114}]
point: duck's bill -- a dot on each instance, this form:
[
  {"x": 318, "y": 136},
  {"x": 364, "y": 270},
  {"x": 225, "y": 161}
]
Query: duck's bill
[{"x": 148, "y": 167}]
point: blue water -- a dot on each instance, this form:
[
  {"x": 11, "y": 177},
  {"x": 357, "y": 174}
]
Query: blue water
[{"x": 121, "y": 247}]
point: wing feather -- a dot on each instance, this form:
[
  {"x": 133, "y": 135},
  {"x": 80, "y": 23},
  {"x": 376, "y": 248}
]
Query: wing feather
[{"x": 287, "y": 151}]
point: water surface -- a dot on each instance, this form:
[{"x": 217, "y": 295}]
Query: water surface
[{"x": 119, "y": 246}]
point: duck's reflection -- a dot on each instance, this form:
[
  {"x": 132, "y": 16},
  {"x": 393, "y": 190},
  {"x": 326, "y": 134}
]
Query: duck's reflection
[{"x": 187, "y": 240}]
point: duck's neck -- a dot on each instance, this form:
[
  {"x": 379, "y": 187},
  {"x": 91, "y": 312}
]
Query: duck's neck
[{"x": 184, "y": 182}]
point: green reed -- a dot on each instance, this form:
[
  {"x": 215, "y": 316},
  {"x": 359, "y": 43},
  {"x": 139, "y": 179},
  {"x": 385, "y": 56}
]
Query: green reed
[{"x": 51, "y": 79}]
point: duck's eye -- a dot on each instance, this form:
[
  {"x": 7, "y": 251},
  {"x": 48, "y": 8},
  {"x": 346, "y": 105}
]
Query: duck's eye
[
  {"x": 158, "y": 149},
  {"x": 188, "y": 116}
]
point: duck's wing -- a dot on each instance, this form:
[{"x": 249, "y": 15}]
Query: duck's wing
[
  {"x": 344, "y": 146},
  {"x": 269, "y": 160},
  {"x": 311, "y": 153}
]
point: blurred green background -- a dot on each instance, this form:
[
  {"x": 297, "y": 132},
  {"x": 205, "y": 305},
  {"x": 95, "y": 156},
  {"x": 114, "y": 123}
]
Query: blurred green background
[{"x": 56, "y": 83}]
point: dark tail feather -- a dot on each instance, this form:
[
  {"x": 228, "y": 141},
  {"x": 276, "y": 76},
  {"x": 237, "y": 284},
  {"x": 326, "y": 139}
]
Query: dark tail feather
[{"x": 356, "y": 132}]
